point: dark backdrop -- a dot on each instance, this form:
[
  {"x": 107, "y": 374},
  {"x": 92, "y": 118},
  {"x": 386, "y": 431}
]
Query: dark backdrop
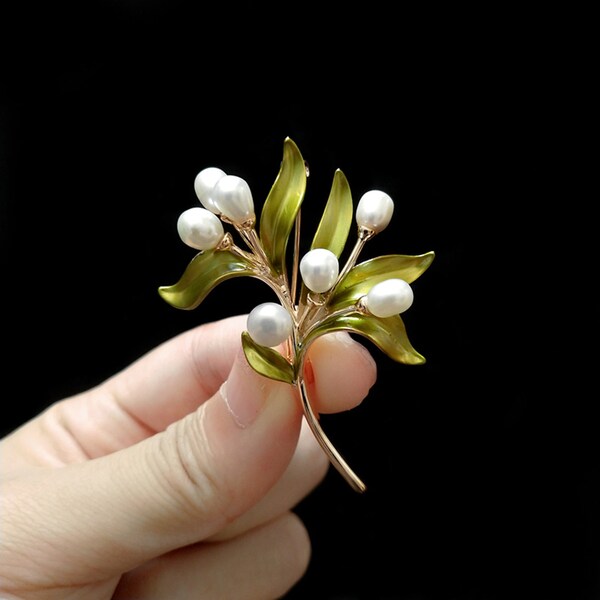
[{"x": 481, "y": 465}]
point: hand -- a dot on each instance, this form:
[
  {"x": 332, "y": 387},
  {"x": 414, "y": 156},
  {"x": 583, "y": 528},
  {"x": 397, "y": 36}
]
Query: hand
[{"x": 174, "y": 478}]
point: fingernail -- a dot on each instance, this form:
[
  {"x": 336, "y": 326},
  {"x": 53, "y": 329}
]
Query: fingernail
[
  {"x": 343, "y": 337},
  {"x": 244, "y": 392}
]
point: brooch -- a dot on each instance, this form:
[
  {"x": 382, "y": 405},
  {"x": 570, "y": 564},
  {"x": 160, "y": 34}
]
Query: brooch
[{"x": 319, "y": 295}]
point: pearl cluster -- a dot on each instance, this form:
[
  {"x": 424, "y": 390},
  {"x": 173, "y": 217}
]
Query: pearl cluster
[
  {"x": 221, "y": 195},
  {"x": 228, "y": 198}
]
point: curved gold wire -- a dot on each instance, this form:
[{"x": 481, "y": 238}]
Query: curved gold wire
[{"x": 334, "y": 456}]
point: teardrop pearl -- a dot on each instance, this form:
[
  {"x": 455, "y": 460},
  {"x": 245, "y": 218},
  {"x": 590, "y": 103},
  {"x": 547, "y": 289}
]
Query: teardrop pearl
[
  {"x": 374, "y": 210},
  {"x": 319, "y": 269},
  {"x": 203, "y": 185},
  {"x": 269, "y": 324},
  {"x": 199, "y": 228},
  {"x": 232, "y": 196},
  {"x": 389, "y": 297}
]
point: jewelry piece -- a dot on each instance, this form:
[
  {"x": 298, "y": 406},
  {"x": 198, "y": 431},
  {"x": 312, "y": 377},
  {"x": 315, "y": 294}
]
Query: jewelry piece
[{"x": 364, "y": 299}]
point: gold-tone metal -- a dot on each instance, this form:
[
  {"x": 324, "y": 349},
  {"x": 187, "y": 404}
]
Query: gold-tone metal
[
  {"x": 296, "y": 255},
  {"x": 335, "y": 458}
]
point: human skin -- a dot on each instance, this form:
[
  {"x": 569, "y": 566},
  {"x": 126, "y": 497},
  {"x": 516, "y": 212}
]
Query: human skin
[{"x": 175, "y": 478}]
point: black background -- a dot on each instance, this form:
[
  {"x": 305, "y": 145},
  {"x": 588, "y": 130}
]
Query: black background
[{"x": 482, "y": 464}]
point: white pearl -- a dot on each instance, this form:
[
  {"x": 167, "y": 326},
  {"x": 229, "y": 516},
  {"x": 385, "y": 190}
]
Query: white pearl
[
  {"x": 389, "y": 297},
  {"x": 203, "y": 185},
  {"x": 233, "y": 198},
  {"x": 374, "y": 210},
  {"x": 319, "y": 269},
  {"x": 269, "y": 324},
  {"x": 199, "y": 228}
]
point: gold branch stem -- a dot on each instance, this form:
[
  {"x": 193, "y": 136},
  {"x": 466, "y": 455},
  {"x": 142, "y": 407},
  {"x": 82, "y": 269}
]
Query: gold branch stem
[
  {"x": 227, "y": 243},
  {"x": 314, "y": 302},
  {"x": 296, "y": 256},
  {"x": 347, "y": 310},
  {"x": 334, "y": 456},
  {"x": 251, "y": 238},
  {"x": 363, "y": 236}
]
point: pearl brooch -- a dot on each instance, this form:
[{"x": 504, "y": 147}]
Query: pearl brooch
[{"x": 317, "y": 297}]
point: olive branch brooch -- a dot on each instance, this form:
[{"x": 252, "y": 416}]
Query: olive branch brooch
[{"x": 317, "y": 297}]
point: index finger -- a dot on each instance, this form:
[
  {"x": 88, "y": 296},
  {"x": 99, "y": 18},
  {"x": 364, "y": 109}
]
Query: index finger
[{"x": 175, "y": 378}]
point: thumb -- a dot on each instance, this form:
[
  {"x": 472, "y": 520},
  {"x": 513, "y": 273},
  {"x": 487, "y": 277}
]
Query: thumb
[{"x": 173, "y": 489}]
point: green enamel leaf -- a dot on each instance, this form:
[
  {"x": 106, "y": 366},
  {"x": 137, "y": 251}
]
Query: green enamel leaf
[
  {"x": 203, "y": 273},
  {"x": 267, "y": 361},
  {"x": 388, "y": 334},
  {"x": 282, "y": 205},
  {"x": 365, "y": 275},
  {"x": 334, "y": 227}
]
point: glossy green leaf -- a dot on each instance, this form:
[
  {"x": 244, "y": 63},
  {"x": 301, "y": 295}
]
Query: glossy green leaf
[
  {"x": 335, "y": 223},
  {"x": 282, "y": 205},
  {"x": 388, "y": 334},
  {"x": 364, "y": 276},
  {"x": 267, "y": 361},
  {"x": 203, "y": 273},
  {"x": 333, "y": 229}
]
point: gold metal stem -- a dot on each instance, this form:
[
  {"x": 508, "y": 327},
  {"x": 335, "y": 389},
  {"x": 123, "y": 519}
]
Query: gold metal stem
[
  {"x": 296, "y": 257},
  {"x": 364, "y": 235},
  {"x": 334, "y": 456},
  {"x": 251, "y": 238},
  {"x": 360, "y": 242},
  {"x": 314, "y": 302},
  {"x": 227, "y": 243}
]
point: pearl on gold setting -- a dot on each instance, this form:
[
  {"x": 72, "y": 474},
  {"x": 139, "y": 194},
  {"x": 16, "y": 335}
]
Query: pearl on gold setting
[
  {"x": 319, "y": 269},
  {"x": 389, "y": 297},
  {"x": 269, "y": 324},
  {"x": 203, "y": 185},
  {"x": 374, "y": 210},
  {"x": 199, "y": 228},
  {"x": 232, "y": 196}
]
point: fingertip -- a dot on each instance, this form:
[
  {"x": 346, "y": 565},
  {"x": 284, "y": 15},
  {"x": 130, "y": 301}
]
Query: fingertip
[{"x": 341, "y": 372}]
